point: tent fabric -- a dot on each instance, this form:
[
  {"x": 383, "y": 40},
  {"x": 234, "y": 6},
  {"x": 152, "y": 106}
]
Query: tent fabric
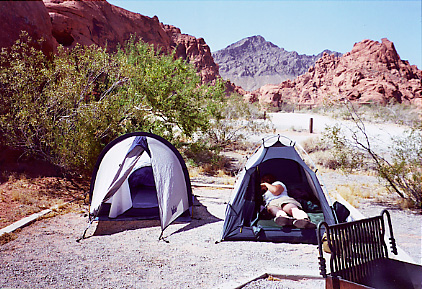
[
  {"x": 170, "y": 182},
  {"x": 283, "y": 161},
  {"x": 129, "y": 154}
]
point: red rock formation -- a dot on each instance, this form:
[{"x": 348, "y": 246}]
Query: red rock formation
[
  {"x": 370, "y": 72},
  {"x": 100, "y": 23},
  {"x": 30, "y": 16},
  {"x": 233, "y": 88},
  {"x": 195, "y": 51}
]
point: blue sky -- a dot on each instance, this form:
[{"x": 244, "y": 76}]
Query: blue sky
[{"x": 307, "y": 27}]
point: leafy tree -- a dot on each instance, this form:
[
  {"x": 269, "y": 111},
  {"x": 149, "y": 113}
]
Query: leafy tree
[
  {"x": 169, "y": 93},
  {"x": 65, "y": 109}
]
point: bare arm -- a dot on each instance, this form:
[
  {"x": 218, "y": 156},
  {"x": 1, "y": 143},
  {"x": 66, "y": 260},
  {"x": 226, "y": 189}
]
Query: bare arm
[{"x": 274, "y": 189}]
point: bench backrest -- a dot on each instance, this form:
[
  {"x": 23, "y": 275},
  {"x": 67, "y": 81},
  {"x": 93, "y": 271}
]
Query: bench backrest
[{"x": 357, "y": 247}]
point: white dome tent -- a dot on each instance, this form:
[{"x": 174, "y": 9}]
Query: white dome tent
[{"x": 140, "y": 176}]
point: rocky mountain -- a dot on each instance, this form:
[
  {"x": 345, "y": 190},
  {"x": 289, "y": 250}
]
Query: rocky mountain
[
  {"x": 98, "y": 22},
  {"x": 253, "y": 62},
  {"x": 371, "y": 72}
]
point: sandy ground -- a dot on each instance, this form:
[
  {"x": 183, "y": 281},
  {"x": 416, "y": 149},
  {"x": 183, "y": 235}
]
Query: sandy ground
[
  {"x": 129, "y": 254},
  {"x": 296, "y": 126}
]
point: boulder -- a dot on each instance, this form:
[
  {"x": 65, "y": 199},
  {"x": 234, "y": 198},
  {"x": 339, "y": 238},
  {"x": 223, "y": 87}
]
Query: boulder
[{"x": 29, "y": 16}]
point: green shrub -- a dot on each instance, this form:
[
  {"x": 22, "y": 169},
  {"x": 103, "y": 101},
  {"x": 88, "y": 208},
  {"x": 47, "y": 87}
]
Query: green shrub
[
  {"x": 237, "y": 120},
  {"x": 346, "y": 156},
  {"x": 404, "y": 172},
  {"x": 65, "y": 109}
]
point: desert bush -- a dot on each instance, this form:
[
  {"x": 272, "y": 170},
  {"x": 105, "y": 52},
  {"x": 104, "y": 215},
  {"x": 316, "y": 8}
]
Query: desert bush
[
  {"x": 325, "y": 159},
  {"x": 342, "y": 151},
  {"x": 328, "y": 153},
  {"x": 237, "y": 120},
  {"x": 65, "y": 109},
  {"x": 287, "y": 106},
  {"x": 201, "y": 159},
  {"x": 402, "y": 173},
  {"x": 398, "y": 113},
  {"x": 7, "y": 237},
  {"x": 314, "y": 144},
  {"x": 319, "y": 153}
]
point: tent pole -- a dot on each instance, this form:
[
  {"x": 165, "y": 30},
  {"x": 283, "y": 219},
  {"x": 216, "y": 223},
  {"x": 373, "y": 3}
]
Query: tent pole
[
  {"x": 86, "y": 229},
  {"x": 162, "y": 238}
]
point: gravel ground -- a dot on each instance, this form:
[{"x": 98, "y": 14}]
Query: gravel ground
[{"x": 129, "y": 254}]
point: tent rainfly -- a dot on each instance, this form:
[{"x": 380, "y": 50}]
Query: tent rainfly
[
  {"x": 140, "y": 176},
  {"x": 246, "y": 217}
]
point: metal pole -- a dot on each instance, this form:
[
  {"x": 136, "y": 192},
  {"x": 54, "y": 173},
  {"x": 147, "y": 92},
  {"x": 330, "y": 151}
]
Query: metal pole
[{"x": 311, "y": 125}]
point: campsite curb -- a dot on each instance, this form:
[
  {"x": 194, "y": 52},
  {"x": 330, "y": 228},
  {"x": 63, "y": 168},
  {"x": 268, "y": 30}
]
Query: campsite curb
[
  {"x": 27, "y": 220},
  {"x": 278, "y": 273}
]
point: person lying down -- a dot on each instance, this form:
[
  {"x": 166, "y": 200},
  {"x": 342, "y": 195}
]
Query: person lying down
[{"x": 285, "y": 209}]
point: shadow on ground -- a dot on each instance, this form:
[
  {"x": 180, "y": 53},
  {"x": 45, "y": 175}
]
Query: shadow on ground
[{"x": 200, "y": 216}]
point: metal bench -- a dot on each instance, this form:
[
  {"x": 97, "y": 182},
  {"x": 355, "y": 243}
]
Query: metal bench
[{"x": 359, "y": 256}]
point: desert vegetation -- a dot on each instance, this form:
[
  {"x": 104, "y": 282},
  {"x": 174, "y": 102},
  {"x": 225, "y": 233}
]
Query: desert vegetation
[
  {"x": 400, "y": 169},
  {"x": 63, "y": 109},
  {"x": 66, "y": 108}
]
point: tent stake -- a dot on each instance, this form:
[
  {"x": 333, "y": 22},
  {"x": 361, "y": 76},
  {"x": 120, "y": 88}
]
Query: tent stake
[
  {"x": 86, "y": 229},
  {"x": 162, "y": 238}
]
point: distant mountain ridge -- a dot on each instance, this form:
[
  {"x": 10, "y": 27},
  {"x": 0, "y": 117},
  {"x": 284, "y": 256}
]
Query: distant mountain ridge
[
  {"x": 253, "y": 62},
  {"x": 372, "y": 72}
]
